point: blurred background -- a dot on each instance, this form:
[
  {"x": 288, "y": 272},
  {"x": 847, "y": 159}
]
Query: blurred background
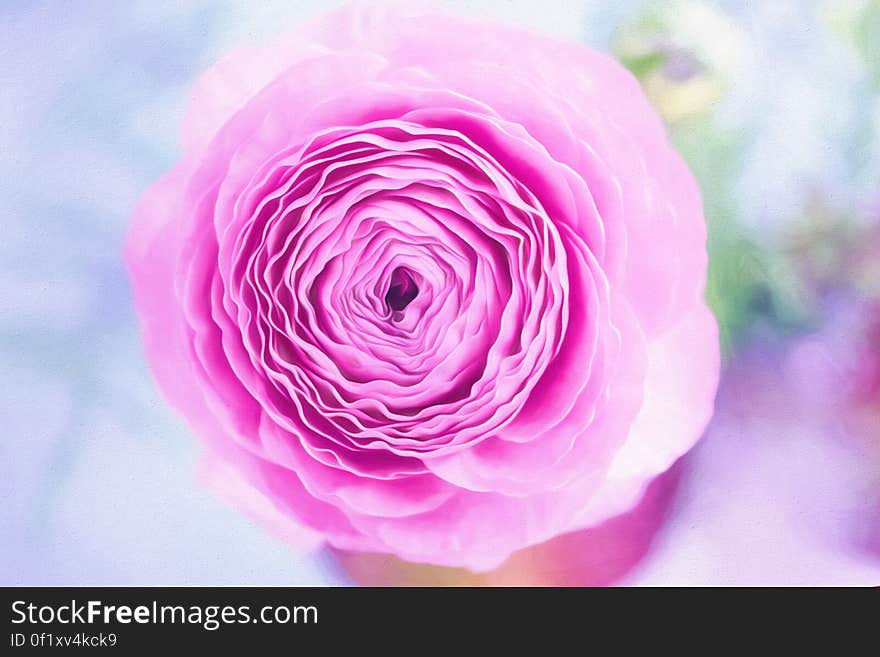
[{"x": 775, "y": 105}]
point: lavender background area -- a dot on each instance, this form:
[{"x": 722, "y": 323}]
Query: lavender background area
[{"x": 776, "y": 106}]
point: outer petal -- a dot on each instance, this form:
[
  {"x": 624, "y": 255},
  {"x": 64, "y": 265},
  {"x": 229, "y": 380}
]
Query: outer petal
[
  {"x": 231, "y": 82},
  {"x": 599, "y": 556},
  {"x": 678, "y": 403},
  {"x": 226, "y": 481}
]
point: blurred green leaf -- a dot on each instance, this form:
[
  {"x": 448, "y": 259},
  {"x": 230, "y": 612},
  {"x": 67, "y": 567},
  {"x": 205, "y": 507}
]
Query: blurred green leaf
[
  {"x": 643, "y": 65},
  {"x": 866, "y": 34},
  {"x": 746, "y": 283}
]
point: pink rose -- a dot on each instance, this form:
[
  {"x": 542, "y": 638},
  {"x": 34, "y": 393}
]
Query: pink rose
[{"x": 428, "y": 287}]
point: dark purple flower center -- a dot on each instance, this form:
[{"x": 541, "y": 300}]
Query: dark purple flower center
[{"x": 402, "y": 290}]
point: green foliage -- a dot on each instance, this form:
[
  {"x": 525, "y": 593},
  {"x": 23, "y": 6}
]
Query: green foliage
[
  {"x": 746, "y": 283},
  {"x": 866, "y": 36},
  {"x": 642, "y": 65}
]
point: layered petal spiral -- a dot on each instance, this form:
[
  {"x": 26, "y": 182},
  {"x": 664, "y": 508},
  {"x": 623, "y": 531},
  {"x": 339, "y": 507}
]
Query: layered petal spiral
[{"x": 428, "y": 287}]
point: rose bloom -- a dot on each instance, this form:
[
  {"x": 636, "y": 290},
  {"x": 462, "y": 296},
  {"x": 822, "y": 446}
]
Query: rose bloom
[{"x": 427, "y": 287}]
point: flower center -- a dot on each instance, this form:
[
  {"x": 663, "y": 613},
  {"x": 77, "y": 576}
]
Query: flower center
[{"x": 402, "y": 290}]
